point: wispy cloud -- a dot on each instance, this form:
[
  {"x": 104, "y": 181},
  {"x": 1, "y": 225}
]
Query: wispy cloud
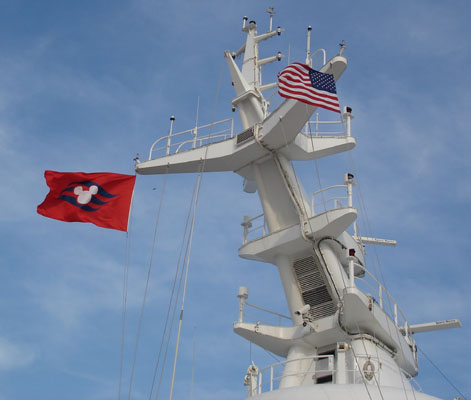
[{"x": 15, "y": 355}]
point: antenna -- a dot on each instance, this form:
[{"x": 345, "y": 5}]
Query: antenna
[
  {"x": 195, "y": 131},
  {"x": 308, "y": 49},
  {"x": 270, "y": 10},
  {"x": 169, "y": 139},
  {"x": 342, "y": 47},
  {"x": 244, "y": 21}
]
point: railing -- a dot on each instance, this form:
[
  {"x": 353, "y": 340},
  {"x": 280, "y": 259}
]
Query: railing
[
  {"x": 327, "y": 128},
  {"x": 254, "y": 225},
  {"x": 317, "y": 52},
  {"x": 192, "y": 138},
  {"x": 280, "y": 317},
  {"x": 243, "y": 296},
  {"x": 249, "y": 228},
  {"x": 329, "y": 203},
  {"x": 412, "y": 381},
  {"x": 369, "y": 282},
  {"x": 275, "y": 379},
  {"x": 224, "y": 129},
  {"x": 260, "y": 386}
]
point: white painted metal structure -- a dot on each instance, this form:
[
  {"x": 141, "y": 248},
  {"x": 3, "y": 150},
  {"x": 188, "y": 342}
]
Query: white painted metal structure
[{"x": 343, "y": 343}]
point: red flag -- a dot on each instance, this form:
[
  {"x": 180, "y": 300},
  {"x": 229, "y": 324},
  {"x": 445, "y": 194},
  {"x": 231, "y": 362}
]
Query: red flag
[{"x": 102, "y": 198}]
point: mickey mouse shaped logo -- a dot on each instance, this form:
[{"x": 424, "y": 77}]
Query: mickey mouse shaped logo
[
  {"x": 89, "y": 196},
  {"x": 85, "y": 196}
]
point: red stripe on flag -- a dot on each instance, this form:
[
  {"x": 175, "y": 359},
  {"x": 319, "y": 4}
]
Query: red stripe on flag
[{"x": 312, "y": 96}]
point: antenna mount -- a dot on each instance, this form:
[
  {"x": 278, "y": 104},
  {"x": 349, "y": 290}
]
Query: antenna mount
[{"x": 271, "y": 10}]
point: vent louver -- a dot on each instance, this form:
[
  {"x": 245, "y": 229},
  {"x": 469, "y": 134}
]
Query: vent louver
[
  {"x": 245, "y": 135},
  {"x": 313, "y": 287}
]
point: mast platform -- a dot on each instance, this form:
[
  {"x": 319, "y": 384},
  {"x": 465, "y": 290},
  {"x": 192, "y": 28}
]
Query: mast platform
[{"x": 289, "y": 241}]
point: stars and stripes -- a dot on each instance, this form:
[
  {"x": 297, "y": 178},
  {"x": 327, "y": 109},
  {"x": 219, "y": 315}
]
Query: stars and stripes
[{"x": 298, "y": 81}]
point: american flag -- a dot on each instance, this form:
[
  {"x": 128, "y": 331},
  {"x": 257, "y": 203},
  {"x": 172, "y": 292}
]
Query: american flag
[{"x": 298, "y": 81}]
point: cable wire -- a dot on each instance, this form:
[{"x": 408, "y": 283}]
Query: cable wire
[
  {"x": 443, "y": 375},
  {"x": 127, "y": 253},
  {"x": 123, "y": 313},
  {"x": 174, "y": 302},
  {"x": 149, "y": 271},
  {"x": 190, "y": 239}
]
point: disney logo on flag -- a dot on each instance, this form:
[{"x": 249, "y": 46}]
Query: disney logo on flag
[{"x": 83, "y": 196}]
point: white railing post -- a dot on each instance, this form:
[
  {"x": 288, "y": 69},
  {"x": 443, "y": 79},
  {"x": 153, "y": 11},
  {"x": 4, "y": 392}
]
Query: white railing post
[
  {"x": 341, "y": 368},
  {"x": 271, "y": 378},
  {"x": 243, "y": 295},
  {"x": 351, "y": 267},
  {"x": 308, "y": 47},
  {"x": 330, "y": 365},
  {"x": 395, "y": 314},
  {"x": 252, "y": 380},
  {"x": 246, "y": 224},
  {"x": 348, "y": 181},
  {"x": 172, "y": 120},
  {"x": 350, "y": 195},
  {"x": 195, "y": 134},
  {"x": 317, "y": 123},
  {"x": 347, "y": 114}
]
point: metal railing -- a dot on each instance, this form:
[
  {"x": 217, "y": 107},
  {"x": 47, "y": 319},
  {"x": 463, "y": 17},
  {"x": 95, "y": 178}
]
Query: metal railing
[
  {"x": 254, "y": 224},
  {"x": 224, "y": 129},
  {"x": 324, "y": 54},
  {"x": 192, "y": 138},
  {"x": 329, "y": 203},
  {"x": 413, "y": 381},
  {"x": 317, "y": 127},
  {"x": 243, "y": 295},
  {"x": 257, "y": 224},
  {"x": 280, "y": 317},
  {"x": 369, "y": 282},
  {"x": 274, "y": 377}
]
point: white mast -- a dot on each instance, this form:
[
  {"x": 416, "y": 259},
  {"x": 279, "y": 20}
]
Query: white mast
[{"x": 343, "y": 343}]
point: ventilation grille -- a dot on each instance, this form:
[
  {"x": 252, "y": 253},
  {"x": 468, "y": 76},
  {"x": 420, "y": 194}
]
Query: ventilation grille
[
  {"x": 313, "y": 288},
  {"x": 245, "y": 135}
]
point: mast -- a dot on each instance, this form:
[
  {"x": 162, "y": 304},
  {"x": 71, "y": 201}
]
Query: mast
[{"x": 340, "y": 334}]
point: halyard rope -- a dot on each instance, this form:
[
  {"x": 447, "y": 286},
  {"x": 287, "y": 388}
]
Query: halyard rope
[
  {"x": 188, "y": 253},
  {"x": 123, "y": 313},
  {"x": 175, "y": 303},
  {"x": 149, "y": 271},
  {"x": 125, "y": 296},
  {"x": 442, "y": 374},
  {"x": 168, "y": 314}
]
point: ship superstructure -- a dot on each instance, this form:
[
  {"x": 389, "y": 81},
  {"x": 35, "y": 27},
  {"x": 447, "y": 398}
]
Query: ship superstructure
[{"x": 345, "y": 342}]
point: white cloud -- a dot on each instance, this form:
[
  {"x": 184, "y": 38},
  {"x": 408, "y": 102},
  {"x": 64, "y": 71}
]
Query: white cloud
[{"x": 15, "y": 356}]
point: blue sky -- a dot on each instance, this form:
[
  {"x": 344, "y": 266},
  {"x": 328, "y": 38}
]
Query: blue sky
[{"x": 84, "y": 86}]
